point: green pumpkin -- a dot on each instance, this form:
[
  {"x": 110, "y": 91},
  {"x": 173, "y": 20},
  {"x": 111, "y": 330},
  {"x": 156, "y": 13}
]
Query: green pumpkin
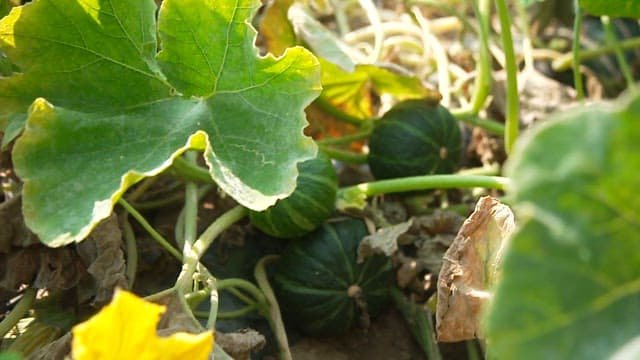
[
  {"x": 320, "y": 287},
  {"x": 307, "y": 207},
  {"x": 415, "y": 138}
]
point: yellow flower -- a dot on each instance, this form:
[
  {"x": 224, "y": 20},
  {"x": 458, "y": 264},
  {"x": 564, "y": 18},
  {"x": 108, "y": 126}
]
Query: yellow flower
[{"x": 126, "y": 329}]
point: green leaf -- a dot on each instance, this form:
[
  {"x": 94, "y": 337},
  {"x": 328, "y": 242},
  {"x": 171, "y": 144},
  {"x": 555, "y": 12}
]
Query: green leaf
[
  {"x": 4, "y": 8},
  {"x": 112, "y": 117},
  {"x": 570, "y": 284},
  {"x": 84, "y": 55},
  {"x": 621, "y": 8}
]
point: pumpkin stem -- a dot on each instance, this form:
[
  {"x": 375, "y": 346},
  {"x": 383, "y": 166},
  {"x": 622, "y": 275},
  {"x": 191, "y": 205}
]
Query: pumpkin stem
[{"x": 355, "y": 291}]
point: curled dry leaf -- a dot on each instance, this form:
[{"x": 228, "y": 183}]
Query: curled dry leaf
[
  {"x": 471, "y": 266},
  {"x": 18, "y": 268},
  {"x": 175, "y": 319},
  {"x": 241, "y": 344},
  {"x": 60, "y": 268},
  {"x": 384, "y": 241},
  {"x": 105, "y": 262}
]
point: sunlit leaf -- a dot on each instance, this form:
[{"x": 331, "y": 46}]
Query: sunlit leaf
[
  {"x": 622, "y": 8},
  {"x": 126, "y": 329},
  {"x": 113, "y": 113}
]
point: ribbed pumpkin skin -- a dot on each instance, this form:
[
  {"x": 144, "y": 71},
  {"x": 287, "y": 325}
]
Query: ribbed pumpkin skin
[
  {"x": 312, "y": 277},
  {"x": 414, "y": 138},
  {"x": 307, "y": 207}
]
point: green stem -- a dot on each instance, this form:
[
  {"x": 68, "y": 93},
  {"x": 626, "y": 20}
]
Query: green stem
[
  {"x": 242, "y": 296},
  {"x": 565, "y": 61},
  {"x": 344, "y": 155},
  {"x": 512, "y": 116},
  {"x": 195, "y": 252},
  {"x": 237, "y": 313},
  {"x": 195, "y": 298},
  {"x": 142, "y": 188},
  {"x": 18, "y": 311},
  {"x": 482, "y": 84},
  {"x": 362, "y": 134},
  {"x": 191, "y": 171},
  {"x": 160, "y": 294},
  {"x": 327, "y": 107},
  {"x": 244, "y": 285},
  {"x": 420, "y": 324},
  {"x": 190, "y": 206},
  {"x": 154, "y": 204},
  {"x": 355, "y": 196},
  {"x": 154, "y": 234},
  {"x": 575, "y": 50},
  {"x": 613, "y": 41},
  {"x": 472, "y": 118},
  {"x": 228, "y": 314},
  {"x": 274, "y": 318},
  {"x": 190, "y": 223},
  {"x": 179, "y": 228}
]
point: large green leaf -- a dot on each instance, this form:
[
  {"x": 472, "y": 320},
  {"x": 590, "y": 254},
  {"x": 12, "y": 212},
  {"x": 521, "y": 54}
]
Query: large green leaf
[
  {"x": 571, "y": 278},
  {"x": 111, "y": 116},
  {"x": 622, "y": 8}
]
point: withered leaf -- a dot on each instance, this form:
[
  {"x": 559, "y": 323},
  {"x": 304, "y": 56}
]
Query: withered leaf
[
  {"x": 241, "y": 344},
  {"x": 13, "y": 231},
  {"x": 60, "y": 268},
  {"x": 104, "y": 258},
  {"x": 384, "y": 241},
  {"x": 471, "y": 266}
]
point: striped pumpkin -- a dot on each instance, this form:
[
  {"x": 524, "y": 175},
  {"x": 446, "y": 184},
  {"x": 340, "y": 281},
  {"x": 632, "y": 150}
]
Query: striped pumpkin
[
  {"x": 414, "y": 138},
  {"x": 307, "y": 207},
  {"x": 321, "y": 288}
]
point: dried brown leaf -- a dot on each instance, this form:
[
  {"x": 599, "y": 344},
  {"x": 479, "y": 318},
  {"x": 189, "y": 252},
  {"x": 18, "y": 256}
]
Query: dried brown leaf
[
  {"x": 384, "y": 241},
  {"x": 13, "y": 231},
  {"x": 60, "y": 268},
  {"x": 241, "y": 344},
  {"x": 470, "y": 267},
  {"x": 175, "y": 319},
  {"x": 102, "y": 253},
  {"x": 18, "y": 268}
]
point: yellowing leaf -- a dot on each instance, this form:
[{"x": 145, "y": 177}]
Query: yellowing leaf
[{"x": 126, "y": 329}]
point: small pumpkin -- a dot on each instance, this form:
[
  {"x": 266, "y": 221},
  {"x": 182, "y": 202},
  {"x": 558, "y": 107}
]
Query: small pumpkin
[
  {"x": 414, "y": 138},
  {"x": 321, "y": 288},
  {"x": 308, "y": 206}
]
